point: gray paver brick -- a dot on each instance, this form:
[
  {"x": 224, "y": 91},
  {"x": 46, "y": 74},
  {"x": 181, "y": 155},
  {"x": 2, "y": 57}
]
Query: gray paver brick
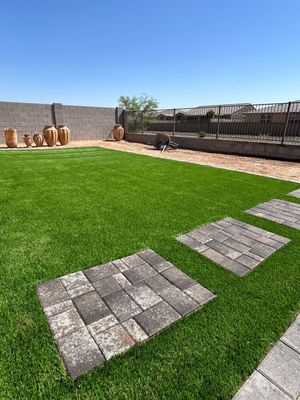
[
  {"x": 151, "y": 257},
  {"x": 91, "y": 307},
  {"x": 157, "y": 283},
  {"x": 65, "y": 323},
  {"x": 157, "y": 318},
  {"x": 102, "y": 271},
  {"x": 132, "y": 261},
  {"x": 78, "y": 291},
  {"x": 247, "y": 261},
  {"x": 237, "y": 245},
  {"x": 79, "y": 352},
  {"x": 102, "y": 324},
  {"x": 200, "y": 237},
  {"x": 139, "y": 273},
  {"x": 292, "y": 335},
  {"x": 192, "y": 243},
  {"x": 106, "y": 286},
  {"x": 235, "y": 267},
  {"x": 114, "y": 341},
  {"x": 257, "y": 387},
  {"x": 143, "y": 295},
  {"x": 282, "y": 366},
  {"x": 199, "y": 293},
  {"x": 179, "y": 300},
  {"x": 58, "y": 308},
  {"x": 295, "y": 193},
  {"x": 178, "y": 278},
  {"x": 122, "y": 305},
  {"x": 134, "y": 330},
  {"x": 52, "y": 292},
  {"x": 122, "y": 280},
  {"x": 262, "y": 250},
  {"x": 74, "y": 280},
  {"x": 120, "y": 265}
]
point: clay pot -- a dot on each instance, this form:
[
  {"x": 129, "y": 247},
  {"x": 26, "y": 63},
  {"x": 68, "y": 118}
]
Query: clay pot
[
  {"x": 118, "y": 132},
  {"x": 63, "y": 134},
  {"x": 10, "y": 137},
  {"x": 50, "y": 135},
  {"x": 38, "y": 139},
  {"x": 28, "y": 140}
]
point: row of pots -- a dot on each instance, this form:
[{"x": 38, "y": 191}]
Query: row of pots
[{"x": 50, "y": 134}]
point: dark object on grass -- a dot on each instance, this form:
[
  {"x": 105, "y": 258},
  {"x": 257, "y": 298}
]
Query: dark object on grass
[{"x": 163, "y": 141}]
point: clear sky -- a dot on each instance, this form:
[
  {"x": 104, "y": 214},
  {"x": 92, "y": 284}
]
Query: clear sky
[{"x": 183, "y": 53}]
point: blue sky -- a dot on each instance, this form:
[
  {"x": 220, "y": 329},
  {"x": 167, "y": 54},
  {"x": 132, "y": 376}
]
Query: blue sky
[{"x": 184, "y": 53}]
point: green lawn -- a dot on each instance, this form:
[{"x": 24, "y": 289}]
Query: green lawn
[{"x": 64, "y": 210}]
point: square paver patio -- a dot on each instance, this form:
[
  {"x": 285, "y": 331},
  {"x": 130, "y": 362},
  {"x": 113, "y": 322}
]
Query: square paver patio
[
  {"x": 281, "y": 211},
  {"x": 105, "y": 310},
  {"x": 235, "y": 245},
  {"x": 295, "y": 193}
]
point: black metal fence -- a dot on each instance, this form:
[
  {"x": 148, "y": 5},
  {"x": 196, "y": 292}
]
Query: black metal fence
[{"x": 273, "y": 122}]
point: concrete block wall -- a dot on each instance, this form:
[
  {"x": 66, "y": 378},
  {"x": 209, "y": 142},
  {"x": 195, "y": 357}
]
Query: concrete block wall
[
  {"x": 86, "y": 123},
  {"x": 266, "y": 150},
  {"x": 24, "y": 117}
]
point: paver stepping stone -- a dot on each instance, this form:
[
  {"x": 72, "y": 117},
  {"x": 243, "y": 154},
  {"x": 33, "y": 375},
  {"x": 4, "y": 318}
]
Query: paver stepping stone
[
  {"x": 105, "y": 310},
  {"x": 235, "y": 245},
  {"x": 277, "y": 377},
  {"x": 281, "y": 211},
  {"x": 295, "y": 193}
]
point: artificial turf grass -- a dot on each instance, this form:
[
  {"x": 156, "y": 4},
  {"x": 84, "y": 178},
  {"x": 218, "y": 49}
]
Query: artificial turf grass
[{"x": 65, "y": 210}]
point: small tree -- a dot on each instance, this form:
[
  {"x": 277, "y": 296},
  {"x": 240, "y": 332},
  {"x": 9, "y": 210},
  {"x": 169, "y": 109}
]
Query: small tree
[
  {"x": 140, "y": 110},
  {"x": 138, "y": 104},
  {"x": 210, "y": 114}
]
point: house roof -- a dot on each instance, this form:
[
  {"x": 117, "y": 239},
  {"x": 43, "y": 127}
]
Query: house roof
[{"x": 227, "y": 109}]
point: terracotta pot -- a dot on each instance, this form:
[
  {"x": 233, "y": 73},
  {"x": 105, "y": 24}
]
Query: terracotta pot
[
  {"x": 10, "y": 137},
  {"x": 28, "y": 140},
  {"x": 50, "y": 135},
  {"x": 38, "y": 139},
  {"x": 118, "y": 132},
  {"x": 63, "y": 134}
]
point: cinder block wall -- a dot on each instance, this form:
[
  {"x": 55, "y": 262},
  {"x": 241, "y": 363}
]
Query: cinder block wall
[
  {"x": 86, "y": 123},
  {"x": 24, "y": 117}
]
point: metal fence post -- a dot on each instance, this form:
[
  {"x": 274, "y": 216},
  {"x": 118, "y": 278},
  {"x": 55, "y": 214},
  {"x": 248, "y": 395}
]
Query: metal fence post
[
  {"x": 142, "y": 121},
  {"x": 174, "y": 121},
  {"x": 286, "y": 122},
  {"x": 218, "y": 126}
]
